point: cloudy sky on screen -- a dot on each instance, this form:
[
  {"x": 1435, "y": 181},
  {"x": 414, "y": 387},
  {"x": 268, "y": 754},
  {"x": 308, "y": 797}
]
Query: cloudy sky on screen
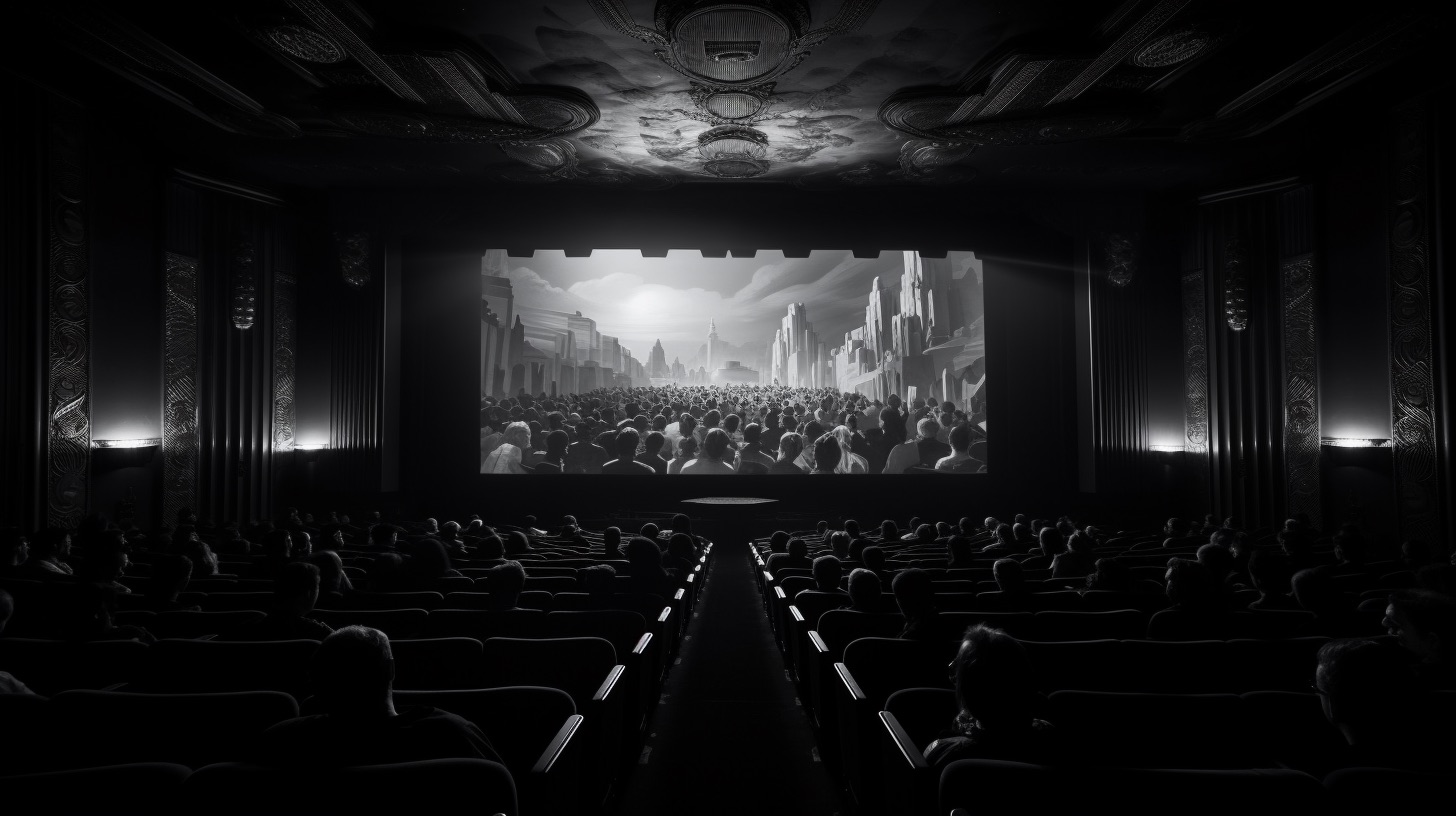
[{"x": 641, "y": 300}]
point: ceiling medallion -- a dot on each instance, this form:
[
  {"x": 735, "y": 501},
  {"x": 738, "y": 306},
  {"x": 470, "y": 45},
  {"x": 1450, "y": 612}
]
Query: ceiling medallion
[
  {"x": 732, "y": 53},
  {"x": 734, "y": 151},
  {"x": 304, "y": 43}
]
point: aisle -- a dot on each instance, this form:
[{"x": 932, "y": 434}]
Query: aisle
[{"x": 728, "y": 736}]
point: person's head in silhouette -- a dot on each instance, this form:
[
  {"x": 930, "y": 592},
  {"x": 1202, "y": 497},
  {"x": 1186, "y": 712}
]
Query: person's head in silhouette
[
  {"x": 851, "y": 529},
  {"x": 517, "y": 543},
  {"x": 1217, "y": 561},
  {"x": 599, "y": 580},
  {"x": 798, "y": 549},
  {"x": 1316, "y": 591},
  {"x": 505, "y": 582},
  {"x": 839, "y": 544},
  {"x": 1009, "y": 575},
  {"x": 959, "y": 548},
  {"x": 681, "y": 523},
  {"x": 295, "y": 590},
  {"x": 649, "y": 531},
  {"x": 1189, "y": 586},
  {"x": 625, "y": 445},
  {"x": 1110, "y": 575},
  {"x": 1270, "y": 572},
  {"x": 889, "y": 530},
  {"x": 353, "y": 673},
  {"x": 428, "y": 560},
  {"x": 645, "y": 559},
  {"x": 914, "y": 594},
  {"x": 827, "y": 453},
  {"x": 993, "y": 683},
  {"x": 1367, "y": 693},
  {"x": 1424, "y": 622},
  {"x": 491, "y": 548},
  {"x": 827, "y": 572},
  {"x": 778, "y": 542},
  {"x": 874, "y": 559},
  {"x": 1049, "y": 540},
  {"x": 864, "y": 590},
  {"x": 680, "y": 548},
  {"x": 332, "y": 577},
  {"x": 612, "y": 543}
]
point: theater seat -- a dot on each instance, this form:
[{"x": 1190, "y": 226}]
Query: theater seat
[
  {"x": 1155, "y": 730},
  {"x": 483, "y": 624},
  {"x": 185, "y": 666},
  {"x": 51, "y": 666},
  {"x": 911, "y": 720},
  {"x": 1388, "y": 791},
  {"x": 467, "y": 787},
  {"x": 104, "y": 728},
  {"x": 1120, "y": 624},
  {"x": 396, "y": 623},
  {"x": 988, "y": 786},
  {"x": 536, "y": 732},
  {"x": 437, "y": 663},
  {"x": 143, "y": 788},
  {"x": 197, "y": 624}
]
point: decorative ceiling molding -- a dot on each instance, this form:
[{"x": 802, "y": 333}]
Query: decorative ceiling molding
[
  {"x": 1364, "y": 48},
  {"x": 1025, "y": 98},
  {"x": 149, "y": 63},
  {"x": 732, "y": 54}
]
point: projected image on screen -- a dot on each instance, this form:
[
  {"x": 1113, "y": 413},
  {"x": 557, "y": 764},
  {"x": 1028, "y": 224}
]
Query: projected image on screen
[{"x": 685, "y": 365}]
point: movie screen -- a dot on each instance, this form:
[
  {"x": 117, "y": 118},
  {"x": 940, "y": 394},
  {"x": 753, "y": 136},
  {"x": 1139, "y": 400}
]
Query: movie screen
[{"x": 688, "y": 365}]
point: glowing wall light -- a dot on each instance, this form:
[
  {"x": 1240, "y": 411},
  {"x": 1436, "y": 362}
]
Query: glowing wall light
[
  {"x": 125, "y": 443},
  {"x": 1166, "y": 448},
  {"x": 1352, "y": 442}
]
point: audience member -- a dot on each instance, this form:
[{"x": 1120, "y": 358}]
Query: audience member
[{"x": 994, "y": 688}]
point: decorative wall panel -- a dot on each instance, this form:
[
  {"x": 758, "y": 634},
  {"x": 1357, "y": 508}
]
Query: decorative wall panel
[
  {"x": 1301, "y": 389},
  {"x": 285, "y": 298},
  {"x": 1195, "y": 363},
  {"x": 68, "y": 387},
  {"x": 180, "y": 438},
  {"x": 1413, "y": 408}
]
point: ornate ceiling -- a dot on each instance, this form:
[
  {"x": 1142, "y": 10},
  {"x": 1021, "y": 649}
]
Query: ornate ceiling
[{"x": 816, "y": 93}]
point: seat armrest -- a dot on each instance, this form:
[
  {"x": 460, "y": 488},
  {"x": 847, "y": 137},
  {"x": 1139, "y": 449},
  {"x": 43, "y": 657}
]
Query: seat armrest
[
  {"x": 642, "y": 644},
  {"x": 798, "y": 616},
  {"x": 779, "y": 593},
  {"x": 666, "y": 613},
  {"x": 678, "y": 596},
  {"x": 559, "y": 745},
  {"x": 604, "y": 691},
  {"x": 817, "y": 644},
  {"x": 846, "y": 680},
  {"x": 908, "y": 750}
]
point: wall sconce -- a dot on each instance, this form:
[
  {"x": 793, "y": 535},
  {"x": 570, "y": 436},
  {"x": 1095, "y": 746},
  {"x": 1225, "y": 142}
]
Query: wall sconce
[
  {"x": 1351, "y": 442},
  {"x": 1166, "y": 448},
  {"x": 124, "y": 453},
  {"x": 126, "y": 443}
]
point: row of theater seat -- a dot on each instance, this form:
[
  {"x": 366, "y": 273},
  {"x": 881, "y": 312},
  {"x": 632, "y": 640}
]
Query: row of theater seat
[
  {"x": 858, "y": 681},
  {"x": 607, "y": 664}
]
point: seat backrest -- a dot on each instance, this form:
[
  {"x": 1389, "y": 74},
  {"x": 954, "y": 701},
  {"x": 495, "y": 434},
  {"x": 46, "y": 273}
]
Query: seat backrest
[
  {"x": 437, "y": 663},
  {"x": 551, "y": 583},
  {"x": 1292, "y": 729},
  {"x": 840, "y": 627},
  {"x": 1119, "y": 624},
  {"x": 452, "y": 786},
  {"x": 617, "y": 626},
  {"x": 51, "y": 666},
  {"x": 992, "y": 786},
  {"x": 1387, "y": 790},
  {"x": 882, "y": 666},
  {"x": 519, "y": 721},
  {"x": 924, "y": 713},
  {"x": 1175, "y": 667},
  {"x": 31, "y": 741},
  {"x": 575, "y": 665},
  {"x": 1270, "y": 665},
  {"x": 109, "y": 728},
  {"x": 794, "y": 584},
  {"x": 234, "y": 601},
  {"x": 99, "y": 790},
  {"x": 483, "y": 624},
  {"x": 196, "y": 624},
  {"x": 1080, "y": 664},
  {"x": 396, "y": 623},
  {"x": 1016, "y": 624},
  {"x": 393, "y": 600},
  {"x": 183, "y": 666},
  {"x": 1154, "y": 730},
  {"x": 813, "y": 604}
]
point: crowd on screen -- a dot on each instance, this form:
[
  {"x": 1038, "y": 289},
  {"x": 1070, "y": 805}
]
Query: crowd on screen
[{"x": 734, "y": 429}]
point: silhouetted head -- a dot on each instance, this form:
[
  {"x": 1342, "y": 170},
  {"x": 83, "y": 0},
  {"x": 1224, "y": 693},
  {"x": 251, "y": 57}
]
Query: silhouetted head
[
  {"x": 353, "y": 673},
  {"x": 1269, "y": 570},
  {"x": 1424, "y": 622},
  {"x": 491, "y": 548},
  {"x": 827, "y": 572},
  {"x": 517, "y": 543},
  {"x": 914, "y": 592},
  {"x": 993, "y": 680},
  {"x": 1009, "y": 575},
  {"x": 1189, "y": 585},
  {"x": 874, "y": 558},
  {"x": 1365, "y": 690},
  {"x": 505, "y": 582},
  {"x": 778, "y": 542},
  {"x": 864, "y": 590},
  {"x": 296, "y": 589},
  {"x": 597, "y": 580},
  {"x": 798, "y": 548}
]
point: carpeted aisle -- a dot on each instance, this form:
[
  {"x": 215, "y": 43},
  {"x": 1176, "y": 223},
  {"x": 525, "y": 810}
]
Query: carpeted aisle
[{"x": 728, "y": 736}]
